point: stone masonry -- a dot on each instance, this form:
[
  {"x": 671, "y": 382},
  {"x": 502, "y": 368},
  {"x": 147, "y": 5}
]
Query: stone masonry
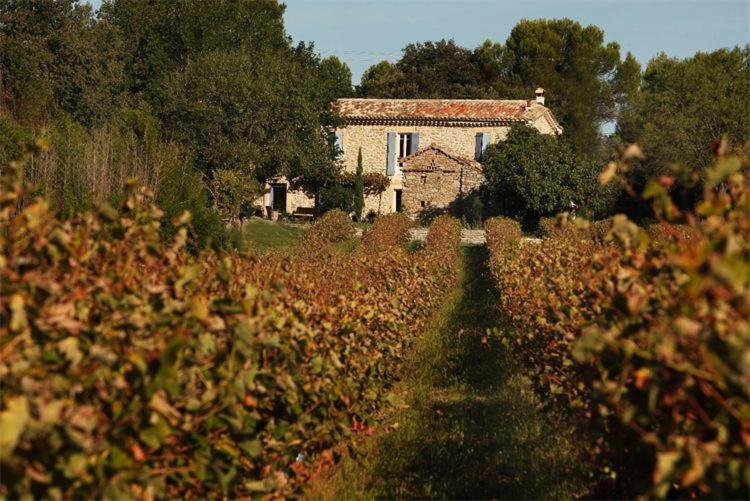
[
  {"x": 460, "y": 128},
  {"x": 434, "y": 178}
]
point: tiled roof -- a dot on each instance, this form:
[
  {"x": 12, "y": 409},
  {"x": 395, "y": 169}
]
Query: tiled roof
[{"x": 442, "y": 110}]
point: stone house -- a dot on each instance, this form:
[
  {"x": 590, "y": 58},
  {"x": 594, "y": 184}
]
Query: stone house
[
  {"x": 390, "y": 130},
  {"x": 433, "y": 178}
]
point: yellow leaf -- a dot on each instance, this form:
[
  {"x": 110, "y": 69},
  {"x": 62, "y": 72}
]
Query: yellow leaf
[
  {"x": 12, "y": 423},
  {"x": 18, "y": 319}
]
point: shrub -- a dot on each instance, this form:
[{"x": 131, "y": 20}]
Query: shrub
[
  {"x": 647, "y": 342},
  {"x": 531, "y": 175},
  {"x": 232, "y": 190},
  {"x": 337, "y": 197},
  {"x": 562, "y": 226},
  {"x": 334, "y": 226},
  {"x": 132, "y": 368},
  {"x": 600, "y": 229},
  {"x": 387, "y": 230},
  {"x": 444, "y": 236},
  {"x": 502, "y": 229},
  {"x": 664, "y": 233}
]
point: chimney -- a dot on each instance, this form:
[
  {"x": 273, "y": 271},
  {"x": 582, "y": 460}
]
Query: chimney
[{"x": 539, "y": 92}]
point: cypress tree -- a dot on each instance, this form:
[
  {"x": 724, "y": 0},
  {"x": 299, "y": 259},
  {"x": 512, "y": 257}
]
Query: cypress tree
[{"x": 359, "y": 188}]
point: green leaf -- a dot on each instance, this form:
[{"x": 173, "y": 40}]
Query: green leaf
[{"x": 253, "y": 448}]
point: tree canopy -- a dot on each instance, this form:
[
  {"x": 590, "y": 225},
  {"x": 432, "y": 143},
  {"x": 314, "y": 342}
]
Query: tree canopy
[
  {"x": 221, "y": 80},
  {"x": 531, "y": 175},
  {"x": 572, "y": 62}
]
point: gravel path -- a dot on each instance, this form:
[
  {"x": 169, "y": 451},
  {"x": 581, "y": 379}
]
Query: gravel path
[{"x": 468, "y": 237}]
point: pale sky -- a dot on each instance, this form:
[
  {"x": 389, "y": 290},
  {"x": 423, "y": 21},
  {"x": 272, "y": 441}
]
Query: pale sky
[{"x": 364, "y": 32}]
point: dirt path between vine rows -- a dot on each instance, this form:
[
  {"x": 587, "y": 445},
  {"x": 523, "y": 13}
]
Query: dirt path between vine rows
[{"x": 470, "y": 426}]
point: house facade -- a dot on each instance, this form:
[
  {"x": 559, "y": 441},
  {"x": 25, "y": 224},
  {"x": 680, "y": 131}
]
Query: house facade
[
  {"x": 388, "y": 131},
  {"x": 434, "y": 178}
]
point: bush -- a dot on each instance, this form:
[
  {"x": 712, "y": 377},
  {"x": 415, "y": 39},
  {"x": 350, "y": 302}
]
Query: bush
[
  {"x": 232, "y": 190},
  {"x": 388, "y": 230},
  {"x": 132, "y": 368},
  {"x": 501, "y": 229},
  {"x": 181, "y": 188},
  {"x": 645, "y": 341},
  {"x": 337, "y": 196},
  {"x": 444, "y": 236},
  {"x": 333, "y": 227},
  {"x": 599, "y": 230},
  {"x": 664, "y": 233},
  {"x": 532, "y": 175},
  {"x": 562, "y": 226}
]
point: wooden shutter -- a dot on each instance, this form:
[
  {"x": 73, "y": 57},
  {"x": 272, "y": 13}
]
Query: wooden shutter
[
  {"x": 414, "y": 147},
  {"x": 390, "y": 166}
]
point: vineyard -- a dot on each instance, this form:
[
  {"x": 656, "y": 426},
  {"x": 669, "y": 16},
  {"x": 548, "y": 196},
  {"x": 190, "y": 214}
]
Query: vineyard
[
  {"x": 133, "y": 367},
  {"x": 643, "y": 335},
  {"x": 136, "y": 366}
]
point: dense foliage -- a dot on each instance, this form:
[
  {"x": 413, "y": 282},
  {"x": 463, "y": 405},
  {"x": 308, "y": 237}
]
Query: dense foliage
[
  {"x": 649, "y": 341},
  {"x": 214, "y": 84},
  {"x": 334, "y": 226},
  {"x": 680, "y": 109},
  {"x": 530, "y": 175},
  {"x": 132, "y": 368},
  {"x": 572, "y": 62}
]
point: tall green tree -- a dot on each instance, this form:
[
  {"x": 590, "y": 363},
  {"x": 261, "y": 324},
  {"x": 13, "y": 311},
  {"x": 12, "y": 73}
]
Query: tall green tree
[
  {"x": 570, "y": 61},
  {"x": 383, "y": 80},
  {"x": 627, "y": 94},
  {"x": 161, "y": 36},
  {"x": 55, "y": 56},
  {"x": 235, "y": 109},
  {"x": 427, "y": 70},
  {"x": 577, "y": 69},
  {"x": 530, "y": 175},
  {"x": 359, "y": 188},
  {"x": 686, "y": 104}
]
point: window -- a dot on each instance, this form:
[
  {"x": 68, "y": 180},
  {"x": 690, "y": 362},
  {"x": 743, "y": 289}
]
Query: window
[
  {"x": 421, "y": 202},
  {"x": 404, "y": 147}
]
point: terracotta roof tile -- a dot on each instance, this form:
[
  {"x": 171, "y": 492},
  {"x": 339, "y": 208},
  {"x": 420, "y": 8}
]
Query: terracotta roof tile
[{"x": 434, "y": 109}]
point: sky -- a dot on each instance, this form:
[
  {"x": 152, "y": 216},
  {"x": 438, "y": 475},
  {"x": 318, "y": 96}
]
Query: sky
[{"x": 362, "y": 32}]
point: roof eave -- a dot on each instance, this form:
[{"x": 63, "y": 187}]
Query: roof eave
[{"x": 447, "y": 122}]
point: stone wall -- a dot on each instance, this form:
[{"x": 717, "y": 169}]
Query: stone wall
[
  {"x": 432, "y": 180},
  {"x": 294, "y": 199},
  {"x": 374, "y": 138}
]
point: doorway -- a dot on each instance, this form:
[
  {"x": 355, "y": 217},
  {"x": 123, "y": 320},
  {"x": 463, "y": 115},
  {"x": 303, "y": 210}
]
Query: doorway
[
  {"x": 399, "y": 200},
  {"x": 278, "y": 197}
]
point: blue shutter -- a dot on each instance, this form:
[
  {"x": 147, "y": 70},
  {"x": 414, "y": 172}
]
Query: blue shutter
[
  {"x": 414, "y": 147},
  {"x": 390, "y": 166},
  {"x": 339, "y": 144}
]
